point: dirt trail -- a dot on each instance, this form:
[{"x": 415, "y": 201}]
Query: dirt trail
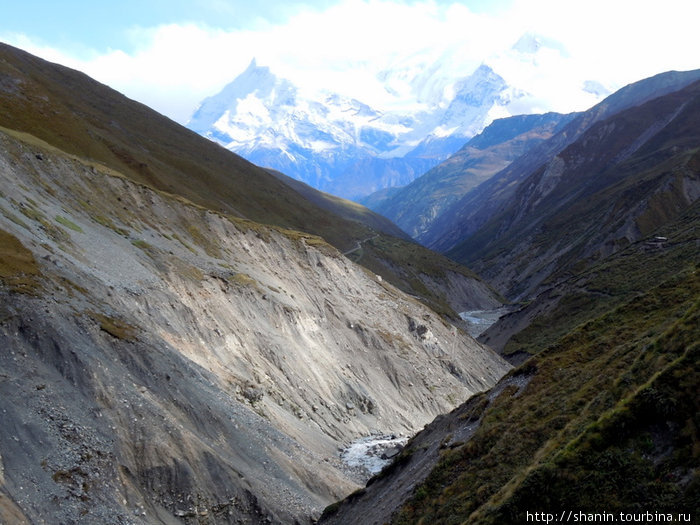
[{"x": 358, "y": 244}]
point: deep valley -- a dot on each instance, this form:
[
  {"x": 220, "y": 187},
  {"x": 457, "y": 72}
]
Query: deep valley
[{"x": 189, "y": 338}]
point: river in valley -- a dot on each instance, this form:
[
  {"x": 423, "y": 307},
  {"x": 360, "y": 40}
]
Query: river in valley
[
  {"x": 372, "y": 453},
  {"x": 480, "y": 320}
]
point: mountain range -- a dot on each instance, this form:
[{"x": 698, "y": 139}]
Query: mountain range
[
  {"x": 186, "y": 337},
  {"x": 478, "y": 205},
  {"x": 351, "y": 148},
  {"x": 335, "y": 143},
  {"x": 415, "y": 206}
]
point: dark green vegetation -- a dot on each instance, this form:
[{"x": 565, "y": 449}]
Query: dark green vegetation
[
  {"x": 68, "y": 224},
  {"x": 608, "y": 422},
  {"x": 71, "y": 112},
  {"x": 600, "y": 247}
]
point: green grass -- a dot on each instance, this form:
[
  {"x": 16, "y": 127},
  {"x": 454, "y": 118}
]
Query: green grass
[
  {"x": 31, "y": 213},
  {"x": 11, "y": 216},
  {"x": 68, "y": 224}
]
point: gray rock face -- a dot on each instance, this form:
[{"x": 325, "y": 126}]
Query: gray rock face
[{"x": 176, "y": 365}]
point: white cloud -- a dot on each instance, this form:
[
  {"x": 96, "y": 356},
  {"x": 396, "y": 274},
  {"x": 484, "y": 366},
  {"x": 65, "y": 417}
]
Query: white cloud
[
  {"x": 344, "y": 46},
  {"x": 619, "y": 41}
]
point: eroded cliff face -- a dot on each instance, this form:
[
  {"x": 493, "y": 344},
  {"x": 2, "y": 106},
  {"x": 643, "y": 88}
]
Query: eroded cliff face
[{"x": 161, "y": 362}]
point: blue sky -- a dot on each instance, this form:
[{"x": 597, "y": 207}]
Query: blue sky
[
  {"x": 85, "y": 27},
  {"x": 170, "y": 54},
  {"x": 102, "y": 25}
]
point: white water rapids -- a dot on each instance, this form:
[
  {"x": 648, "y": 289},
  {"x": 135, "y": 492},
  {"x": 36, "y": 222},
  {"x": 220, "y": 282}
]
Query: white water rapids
[{"x": 373, "y": 453}]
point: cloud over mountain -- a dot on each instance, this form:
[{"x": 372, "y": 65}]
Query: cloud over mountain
[{"x": 345, "y": 45}]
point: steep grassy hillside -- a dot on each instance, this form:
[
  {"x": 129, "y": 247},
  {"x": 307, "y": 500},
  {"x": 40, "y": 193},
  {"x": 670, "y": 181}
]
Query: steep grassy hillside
[
  {"x": 75, "y": 114},
  {"x": 603, "y": 419},
  {"x": 608, "y": 422},
  {"x": 343, "y": 208}
]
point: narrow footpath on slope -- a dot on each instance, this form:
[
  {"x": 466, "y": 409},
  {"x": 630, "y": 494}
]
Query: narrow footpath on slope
[{"x": 359, "y": 244}]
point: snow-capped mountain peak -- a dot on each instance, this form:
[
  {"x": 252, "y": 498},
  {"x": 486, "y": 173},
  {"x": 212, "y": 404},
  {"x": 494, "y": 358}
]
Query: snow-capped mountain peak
[
  {"x": 245, "y": 102},
  {"x": 348, "y": 147}
]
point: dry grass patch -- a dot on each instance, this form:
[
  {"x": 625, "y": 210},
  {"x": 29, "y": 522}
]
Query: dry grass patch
[
  {"x": 115, "y": 327},
  {"x": 18, "y": 268}
]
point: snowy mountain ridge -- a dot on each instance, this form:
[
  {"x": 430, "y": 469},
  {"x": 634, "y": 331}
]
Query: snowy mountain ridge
[
  {"x": 348, "y": 147},
  {"x": 269, "y": 120}
]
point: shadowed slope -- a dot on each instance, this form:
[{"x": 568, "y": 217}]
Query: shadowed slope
[
  {"x": 603, "y": 419},
  {"x": 602, "y": 415},
  {"x": 416, "y": 206},
  {"x": 621, "y": 180},
  {"x": 481, "y": 204}
]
